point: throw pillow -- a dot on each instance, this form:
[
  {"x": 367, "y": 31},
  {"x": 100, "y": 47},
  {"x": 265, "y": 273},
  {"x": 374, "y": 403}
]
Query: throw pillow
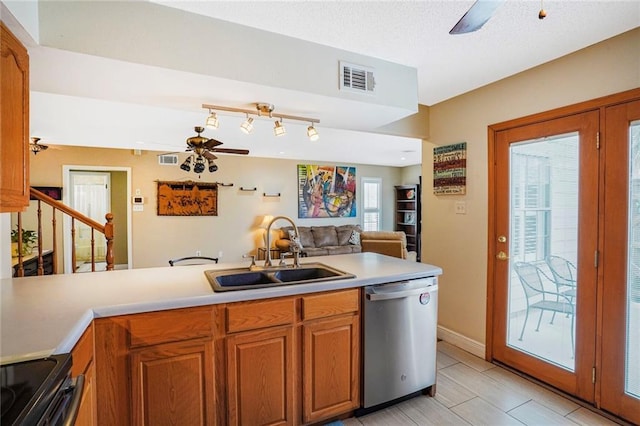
[
  {"x": 354, "y": 238},
  {"x": 295, "y": 241}
]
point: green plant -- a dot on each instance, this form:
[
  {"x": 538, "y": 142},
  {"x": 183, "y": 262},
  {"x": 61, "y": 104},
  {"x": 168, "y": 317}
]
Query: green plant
[{"x": 29, "y": 237}]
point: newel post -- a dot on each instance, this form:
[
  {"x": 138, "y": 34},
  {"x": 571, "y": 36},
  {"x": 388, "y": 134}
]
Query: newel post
[{"x": 108, "y": 234}]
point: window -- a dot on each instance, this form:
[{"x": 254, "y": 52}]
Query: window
[{"x": 371, "y": 204}]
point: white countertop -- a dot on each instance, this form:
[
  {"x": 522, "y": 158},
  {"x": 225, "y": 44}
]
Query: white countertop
[{"x": 47, "y": 314}]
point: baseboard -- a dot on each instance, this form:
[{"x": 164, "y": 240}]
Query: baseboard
[{"x": 456, "y": 339}]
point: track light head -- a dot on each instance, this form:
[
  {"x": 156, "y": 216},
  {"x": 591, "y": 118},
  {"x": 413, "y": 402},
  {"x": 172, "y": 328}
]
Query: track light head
[
  {"x": 212, "y": 120},
  {"x": 247, "y": 125},
  {"x": 186, "y": 166},
  {"x": 312, "y": 133},
  {"x": 278, "y": 128}
]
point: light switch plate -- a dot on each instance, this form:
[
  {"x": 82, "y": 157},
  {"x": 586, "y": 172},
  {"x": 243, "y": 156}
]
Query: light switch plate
[{"x": 461, "y": 207}]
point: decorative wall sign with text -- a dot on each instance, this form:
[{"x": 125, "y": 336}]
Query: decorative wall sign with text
[
  {"x": 187, "y": 199},
  {"x": 450, "y": 169},
  {"x": 326, "y": 191}
]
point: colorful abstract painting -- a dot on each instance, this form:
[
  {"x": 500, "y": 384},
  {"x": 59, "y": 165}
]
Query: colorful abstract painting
[{"x": 326, "y": 191}]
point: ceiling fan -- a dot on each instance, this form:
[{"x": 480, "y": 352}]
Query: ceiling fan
[
  {"x": 479, "y": 13},
  {"x": 203, "y": 148}
]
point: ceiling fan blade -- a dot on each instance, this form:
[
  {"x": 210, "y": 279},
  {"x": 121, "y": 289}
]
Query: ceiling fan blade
[
  {"x": 209, "y": 156},
  {"x": 231, "y": 151},
  {"x": 476, "y": 16},
  {"x": 211, "y": 143}
]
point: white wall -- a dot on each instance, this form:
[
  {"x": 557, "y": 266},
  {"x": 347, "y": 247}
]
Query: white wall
[{"x": 458, "y": 243}]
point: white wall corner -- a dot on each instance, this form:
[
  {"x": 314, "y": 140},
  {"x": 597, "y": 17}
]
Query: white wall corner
[{"x": 456, "y": 339}]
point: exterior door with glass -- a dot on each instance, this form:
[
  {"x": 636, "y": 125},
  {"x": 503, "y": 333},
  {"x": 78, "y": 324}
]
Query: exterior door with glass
[
  {"x": 620, "y": 353},
  {"x": 545, "y": 241}
]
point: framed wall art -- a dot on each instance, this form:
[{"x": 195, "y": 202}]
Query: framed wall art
[
  {"x": 326, "y": 191},
  {"x": 187, "y": 199},
  {"x": 450, "y": 169},
  {"x": 54, "y": 192}
]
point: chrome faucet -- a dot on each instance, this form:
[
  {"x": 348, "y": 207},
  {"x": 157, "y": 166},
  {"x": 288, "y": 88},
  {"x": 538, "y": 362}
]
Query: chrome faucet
[{"x": 267, "y": 262}]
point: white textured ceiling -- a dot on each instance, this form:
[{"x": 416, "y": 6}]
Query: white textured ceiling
[
  {"x": 416, "y": 33},
  {"x": 150, "y": 108}
]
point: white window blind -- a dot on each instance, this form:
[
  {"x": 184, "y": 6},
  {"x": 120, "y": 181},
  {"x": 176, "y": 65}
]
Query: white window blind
[{"x": 371, "y": 204}]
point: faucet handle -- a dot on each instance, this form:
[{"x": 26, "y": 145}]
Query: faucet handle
[{"x": 253, "y": 258}]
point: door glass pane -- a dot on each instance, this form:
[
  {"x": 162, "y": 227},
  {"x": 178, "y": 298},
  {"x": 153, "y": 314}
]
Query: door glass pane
[
  {"x": 543, "y": 248},
  {"x": 632, "y": 359},
  {"x": 90, "y": 197}
]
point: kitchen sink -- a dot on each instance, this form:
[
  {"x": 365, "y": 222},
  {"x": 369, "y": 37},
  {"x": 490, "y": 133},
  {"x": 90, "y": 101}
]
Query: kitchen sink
[{"x": 248, "y": 278}]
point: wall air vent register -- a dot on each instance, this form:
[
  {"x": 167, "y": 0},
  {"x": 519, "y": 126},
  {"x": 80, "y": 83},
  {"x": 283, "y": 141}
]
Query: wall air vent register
[
  {"x": 168, "y": 160},
  {"x": 357, "y": 78}
]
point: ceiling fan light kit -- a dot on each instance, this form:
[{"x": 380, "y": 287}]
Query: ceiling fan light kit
[
  {"x": 264, "y": 110},
  {"x": 35, "y": 147}
]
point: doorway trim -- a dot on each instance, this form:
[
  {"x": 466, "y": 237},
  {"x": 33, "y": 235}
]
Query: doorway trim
[{"x": 66, "y": 182}]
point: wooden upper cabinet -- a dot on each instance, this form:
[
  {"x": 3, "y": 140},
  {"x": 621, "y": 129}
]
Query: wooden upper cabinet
[{"x": 14, "y": 123}]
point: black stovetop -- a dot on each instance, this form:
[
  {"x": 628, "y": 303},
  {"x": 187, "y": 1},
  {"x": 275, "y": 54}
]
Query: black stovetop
[{"x": 28, "y": 387}]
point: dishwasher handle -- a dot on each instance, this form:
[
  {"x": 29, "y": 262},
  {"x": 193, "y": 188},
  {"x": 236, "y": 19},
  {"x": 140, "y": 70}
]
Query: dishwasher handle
[{"x": 400, "y": 294}]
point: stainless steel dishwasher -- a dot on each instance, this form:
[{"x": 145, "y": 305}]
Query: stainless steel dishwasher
[{"x": 400, "y": 321}]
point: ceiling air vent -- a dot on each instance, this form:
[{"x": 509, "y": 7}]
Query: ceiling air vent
[
  {"x": 168, "y": 159},
  {"x": 357, "y": 78}
]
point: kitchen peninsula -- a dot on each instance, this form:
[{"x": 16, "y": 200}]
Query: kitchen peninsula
[{"x": 133, "y": 313}]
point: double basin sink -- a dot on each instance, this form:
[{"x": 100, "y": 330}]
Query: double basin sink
[{"x": 249, "y": 278}]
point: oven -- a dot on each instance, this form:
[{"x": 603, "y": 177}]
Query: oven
[{"x": 40, "y": 392}]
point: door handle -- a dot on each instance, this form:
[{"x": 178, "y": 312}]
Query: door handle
[{"x": 502, "y": 256}]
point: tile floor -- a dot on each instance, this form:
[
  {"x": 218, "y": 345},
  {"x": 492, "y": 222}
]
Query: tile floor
[{"x": 471, "y": 391}]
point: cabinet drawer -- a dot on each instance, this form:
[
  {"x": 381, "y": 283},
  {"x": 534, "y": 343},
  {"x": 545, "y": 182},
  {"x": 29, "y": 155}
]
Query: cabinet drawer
[
  {"x": 254, "y": 315},
  {"x": 170, "y": 326},
  {"x": 326, "y": 305}
]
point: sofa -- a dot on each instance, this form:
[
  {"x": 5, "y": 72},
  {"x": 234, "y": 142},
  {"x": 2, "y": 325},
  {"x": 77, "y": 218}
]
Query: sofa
[
  {"x": 391, "y": 243},
  {"x": 322, "y": 240}
]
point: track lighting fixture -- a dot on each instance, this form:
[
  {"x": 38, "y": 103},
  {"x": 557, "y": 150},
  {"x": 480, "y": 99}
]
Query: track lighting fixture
[
  {"x": 212, "y": 120},
  {"x": 247, "y": 125},
  {"x": 263, "y": 110},
  {"x": 278, "y": 128},
  {"x": 186, "y": 166},
  {"x": 312, "y": 133}
]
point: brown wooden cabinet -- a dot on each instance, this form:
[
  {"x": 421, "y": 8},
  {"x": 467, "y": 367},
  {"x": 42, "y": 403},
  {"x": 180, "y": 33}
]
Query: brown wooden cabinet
[
  {"x": 82, "y": 357},
  {"x": 260, "y": 377},
  {"x": 14, "y": 116},
  {"x": 172, "y": 384},
  {"x": 331, "y": 354},
  {"x": 156, "y": 368},
  {"x": 288, "y": 360}
]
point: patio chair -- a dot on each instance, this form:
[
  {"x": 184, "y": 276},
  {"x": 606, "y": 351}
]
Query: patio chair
[
  {"x": 538, "y": 297},
  {"x": 193, "y": 260},
  {"x": 564, "y": 274}
]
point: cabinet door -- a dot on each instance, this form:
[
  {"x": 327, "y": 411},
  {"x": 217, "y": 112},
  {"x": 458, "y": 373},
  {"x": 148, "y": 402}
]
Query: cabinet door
[
  {"x": 331, "y": 361},
  {"x": 172, "y": 384},
  {"x": 260, "y": 377},
  {"x": 14, "y": 115},
  {"x": 87, "y": 410}
]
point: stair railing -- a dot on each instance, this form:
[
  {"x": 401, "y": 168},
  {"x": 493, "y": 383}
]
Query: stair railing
[{"x": 106, "y": 230}]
